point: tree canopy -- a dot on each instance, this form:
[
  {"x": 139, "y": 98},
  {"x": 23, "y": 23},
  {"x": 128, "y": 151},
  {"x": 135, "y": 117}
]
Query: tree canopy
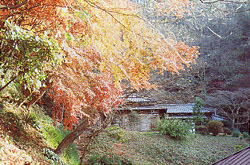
[
  {"x": 97, "y": 44},
  {"x": 85, "y": 49}
]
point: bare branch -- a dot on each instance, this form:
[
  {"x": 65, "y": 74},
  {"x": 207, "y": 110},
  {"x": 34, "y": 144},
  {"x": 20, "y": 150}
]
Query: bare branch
[
  {"x": 214, "y": 32},
  {"x": 98, "y": 7},
  {"x": 210, "y": 2}
]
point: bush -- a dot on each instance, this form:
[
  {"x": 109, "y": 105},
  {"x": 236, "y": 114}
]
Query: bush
[
  {"x": 215, "y": 127},
  {"x": 51, "y": 155},
  {"x": 245, "y": 134},
  {"x": 227, "y": 131},
  {"x": 236, "y": 133},
  {"x": 202, "y": 130},
  {"x": 174, "y": 128},
  {"x": 108, "y": 159},
  {"x": 227, "y": 124},
  {"x": 116, "y": 133}
]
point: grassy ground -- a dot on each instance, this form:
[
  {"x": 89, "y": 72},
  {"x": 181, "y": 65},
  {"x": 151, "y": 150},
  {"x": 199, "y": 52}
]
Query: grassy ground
[{"x": 153, "y": 148}]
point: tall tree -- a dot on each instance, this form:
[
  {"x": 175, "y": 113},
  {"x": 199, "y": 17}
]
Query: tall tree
[{"x": 99, "y": 44}]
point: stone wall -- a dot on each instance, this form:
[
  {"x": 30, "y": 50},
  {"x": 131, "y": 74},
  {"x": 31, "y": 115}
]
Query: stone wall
[{"x": 143, "y": 123}]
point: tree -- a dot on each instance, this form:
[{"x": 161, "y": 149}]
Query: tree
[
  {"x": 234, "y": 105},
  {"x": 25, "y": 55},
  {"x": 197, "y": 114},
  {"x": 100, "y": 44},
  {"x": 223, "y": 41}
]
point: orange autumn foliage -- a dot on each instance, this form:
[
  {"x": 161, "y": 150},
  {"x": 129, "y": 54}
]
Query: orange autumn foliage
[{"x": 102, "y": 43}]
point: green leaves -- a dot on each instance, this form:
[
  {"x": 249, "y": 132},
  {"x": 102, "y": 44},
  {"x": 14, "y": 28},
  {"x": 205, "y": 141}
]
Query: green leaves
[
  {"x": 69, "y": 36},
  {"x": 29, "y": 53},
  {"x": 197, "y": 114},
  {"x": 174, "y": 128}
]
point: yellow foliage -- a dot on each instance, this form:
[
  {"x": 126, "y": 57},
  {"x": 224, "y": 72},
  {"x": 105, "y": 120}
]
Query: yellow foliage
[{"x": 103, "y": 42}]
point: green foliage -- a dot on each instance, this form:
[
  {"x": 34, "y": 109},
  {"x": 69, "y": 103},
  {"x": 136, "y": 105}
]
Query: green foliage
[
  {"x": 12, "y": 122},
  {"x": 197, "y": 114},
  {"x": 26, "y": 54},
  {"x": 174, "y": 128},
  {"x": 70, "y": 155},
  {"x": 12, "y": 92},
  {"x": 227, "y": 131},
  {"x": 154, "y": 148},
  {"x": 31, "y": 119},
  {"x": 51, "y": 155},
  {"x": 54, "y": 135},
  {"x": 116, "y": 133},
  {"x": 236, "y": 133},
  {"x": 245, "y": 134},
  {"x": 239, "y": 147},
  {"x": 109, "y": 159},
  {"x": 93, "y": 159},
  {"x": 215, "y": 127},
  {"x": 202, "y": 130}
]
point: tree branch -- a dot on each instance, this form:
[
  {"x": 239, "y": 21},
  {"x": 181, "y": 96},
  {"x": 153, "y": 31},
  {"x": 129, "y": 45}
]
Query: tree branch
[
  {"x": 214, "y": 32},
  {"x": 98, "y": 7},
  {"x": 2, "y": 88},
  {"x": 210, "y": 1}
]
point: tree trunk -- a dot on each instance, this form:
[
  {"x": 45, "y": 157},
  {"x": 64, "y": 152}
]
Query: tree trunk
[
  {"x": 69, "y": 139},
  {"x": 233, "y": 122},
  {"x": 18, "y": 74}
]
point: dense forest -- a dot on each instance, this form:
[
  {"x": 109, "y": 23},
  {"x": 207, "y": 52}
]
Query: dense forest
[{"x": 66, "y": 65}]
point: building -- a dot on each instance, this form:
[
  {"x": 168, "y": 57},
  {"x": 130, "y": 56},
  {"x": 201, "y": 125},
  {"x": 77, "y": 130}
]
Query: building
[{"x": 149, "y": 112}]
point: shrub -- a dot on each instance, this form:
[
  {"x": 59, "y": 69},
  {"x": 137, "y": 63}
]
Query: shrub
[
  {"x": 93, "y": 159},
  {"x": 227, "y": 124},
  {"x": 245, "y": 134},
  {"x": 239, "y": 147},
  {"x": 227, "y": 131},
  {"x": 51, "y": 155},
  {"x": 116, "y": 133},
  {"x": 202, "y": 130},
  {"x": 108, "y": 159},
  {"x": 31, "y": 119},
  {"x": 174, "y": 128},
  {"x": 215, "y": 127},
  {"x": 236, "y": 133}
]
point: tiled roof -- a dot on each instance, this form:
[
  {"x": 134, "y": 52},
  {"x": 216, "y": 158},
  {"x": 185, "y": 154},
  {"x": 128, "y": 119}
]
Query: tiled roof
[
  {"x": 239, "y": 158},
  {"x": 181, "y": 108},
  {"x": 171, "y": 108},
  {"x": 137, "y": 99}
]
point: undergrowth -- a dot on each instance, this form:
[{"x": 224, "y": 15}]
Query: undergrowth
[
  {"x": 155, "y": 148},
  {"x": 31, "y": 132},
  {"x": 54, "y": 135}
]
